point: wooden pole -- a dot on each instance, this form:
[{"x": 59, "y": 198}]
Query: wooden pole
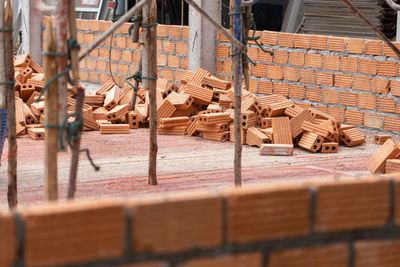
[
  {"x": 3, "y": 88},
  {"x": 150, "y": 70},
  {"x": 127, "y": 16},
  {"x": 372, "y": 27},
  {"x": 62, "y": 47},
  {"x": 51, "y": 113},
  {"x": 237, "y": 81},
  {"x": 246, "y": 28},
  {"x": 80, "y": 95},
  {"x": 135, "y": 39},
  {"x": 12, "y": 136}
]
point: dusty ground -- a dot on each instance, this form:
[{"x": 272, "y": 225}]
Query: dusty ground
[{"x": 184, "y": 163}]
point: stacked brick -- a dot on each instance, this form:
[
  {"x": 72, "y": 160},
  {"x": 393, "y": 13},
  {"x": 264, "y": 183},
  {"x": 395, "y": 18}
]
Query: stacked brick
[
  {"x": 384, "y": 160},
  {"x": 313, "y": 224}
]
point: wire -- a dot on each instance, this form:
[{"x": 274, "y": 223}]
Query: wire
[{"x": 109, "y": 60}]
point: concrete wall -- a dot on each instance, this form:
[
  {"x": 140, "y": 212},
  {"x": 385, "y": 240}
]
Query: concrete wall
[{"x": 332, "y": 222}]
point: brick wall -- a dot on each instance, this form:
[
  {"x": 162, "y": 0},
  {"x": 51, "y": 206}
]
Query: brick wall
[
  {"x": 172, "y": 56},
  {"x": 354, "y": 80},
  {"x": 343, "y": 222}
]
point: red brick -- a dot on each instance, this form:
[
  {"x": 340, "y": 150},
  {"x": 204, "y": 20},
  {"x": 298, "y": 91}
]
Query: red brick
[
  {"x": 362, "y": 83},
  {"x": 168, "y": 74},
  {"x": 94, "y": 25},
  {"x": 166, "y": 226},
  {"x": 281, "y": 56},
  {"x": 355, "y": 46},
  {"x": 184, "y": 63},
  {"x": 126, "y": 56},
  {"x": 84, "y": 25},
  {"x": 169, "y": 47},
  {"x": 349, "y": 64},
  {"x": 222, "y": 37},
  {"x": 120, "y": 41},
  {"x": 385, "y": 104},
  {"x": 181, "y": 47},
  {"x": 123, "y": 69},
  {"x": 368, "y": 66},
  {"x": 285, "y": 39},
  {"x": 255, "y": 34},
  {"x": 185, "y": 32},
  {"x": 259, "y": 70},
  {"x": 104, "y": 78},
  {"x": 307, "y": 76},
  {"x": 336, "y": 44},
  {"x": 102, "y": 65},
  {"x": 296, "y": 91},
  {"x": 53, "y": 233},
  {"x": 80, "y": 37},
  {"x": 303, "y": 105},
  {"x": 374, "y": 253},
  {"x": 124, "y": 29},
  {"x": 325, "y": 78},
  {"x": 313, "y": 94},
  {"x": 274, "y": 72},
  {"x": 146, "y": 264},
  {"x": 253, "y": 85},
  {"x": 159, "y": 45},
  {"x": 296, "y": 58},
  {"x": 302, "y": 41},
  {"x": 252, "y": 52},
  {"x": 8, "y": 242},
  {"x": 227, "y": 67},
  {"x": 387, "y": 68},
  {"x": 291, "y": 74},
  {"x": 374, "y": 47},
  {"x": 319, "y": 42},
  {"x": 387, "y": 51},
  {"x": 281, "y": 89},
  {"x": 350, "y": 204},
  {"x": 93, "y": 77},
  {"x": 219, "y": 66},
  {"x": 330, "y": 96},
  {"x": 355, "y": 117},
  {"x": 392, "y": 123},
  {"x": 91, "y": 64},
  {"x": 88, "y": 38},
  {"x": 314, "y": 60},
  {"x": 331, "y": 255},
  {"x": 174, "y": 31},
  {"x": 366, "y": 101},
  {"x": 321, "y": 108},
  {"x": 222, "y": 51},
  {"x": 343, "y": 80},
  {"x": 173, "y": 61},
  {"x": 348, "y": 99},
  {"x": 84, "y": 75},
  {"x": 115, "y": 55},
  {"x": 395, "y": 88},
  {"x": 253, "y": 259},
  {"x": 373, "y": 120},
  {"x": 103, "y": 53},
  {"x": 162, "y": 30},
  {"x": 252, "y": 214},
  {"x": 270, "y": 37},
  {"x": 331, "y": 62},
  {"x": 264, "y": 87},
  {"x": 381, "y": 86},
  {"x": 337, "y": 112}
]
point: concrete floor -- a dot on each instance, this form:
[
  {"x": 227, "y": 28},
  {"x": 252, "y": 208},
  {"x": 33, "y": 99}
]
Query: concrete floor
[{"x": 184, "y": 163}]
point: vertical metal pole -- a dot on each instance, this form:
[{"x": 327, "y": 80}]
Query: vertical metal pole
[{"x": 237, "y": 81}]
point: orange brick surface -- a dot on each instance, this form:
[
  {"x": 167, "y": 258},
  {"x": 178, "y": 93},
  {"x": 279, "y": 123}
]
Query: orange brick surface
[
  {"x": 387, "y": 51},
  {"x": 325, "y": 78},
  {"x": 271, "y": 213},
  {"x": 336, "y": 44},
  {"x": 348, "y": 99},
  {"x": 291, "y": 74},
  {"x": 252, "y": 259},
  {"x": 330, "y": 96},
  {"x": 313, "y": 94},
  {"x": 53, "y": 234},
  {"x": 337, "y": 112},
  {"x": 395, "y": 88},
  {"x": 296, "y": 91},
  {"x": 385, "y": 104},
  {"x": 373, "y": 47},
  {"x": 307, "y": 76},
  {"x": 285, "y": 39},
  {"x": 354, "y": 45},
  {"x": 222, "y": 51},
  {"x": 392, "y": 123},
  {"x": 296, "y": 58},
  {"x": 343, "y": 80},
  {"x": 387, "y": 68},
  {"x": 354, "y": 117},
  {"x": 333, "y": 255},
  {"x": 365, "y": 101},
  {"x": 7, "y": 240},
  {"x": 368, "y": 66},
  {"x": 269, "y": 37},
  {"x": 314, "y": 60},
  {"x": 302, "y": 41},
  {"x": 274, "y": 72},
  {"x": 177, "y": 224},
  {"x": 362, "y": 83},
  {"x": 281, "y": 89},
  {"x": 319, "y": 42},
  {"x": 349, "y": 64},
  {"x": 331, "y": 62},
  {"x": 259, "y": 70},
  {"x": 264, "y": 87},
  {"x": 351, "y": 204},
  {"x": 373, "y": 120},
  {"x": 374, "y": 253},
  {"x": 381, "y": 86},
  {"x": 281, "y": 56}
]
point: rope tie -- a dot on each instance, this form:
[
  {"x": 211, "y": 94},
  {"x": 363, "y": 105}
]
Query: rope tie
[
  {"x": 134, "y": 19},
  {"x": 7, "y": 30},
  {"x": 8, "y": 82}
]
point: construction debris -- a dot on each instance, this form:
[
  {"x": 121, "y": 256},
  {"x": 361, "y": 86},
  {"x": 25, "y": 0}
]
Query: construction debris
[
  {"x": 377, "y": 163},
  {"x": 202, "y": 105}
]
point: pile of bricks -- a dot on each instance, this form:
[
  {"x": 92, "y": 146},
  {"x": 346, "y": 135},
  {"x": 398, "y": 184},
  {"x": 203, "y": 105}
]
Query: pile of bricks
[
  {"x": 201, "y": 105},
  {"x": 385, "y": 158}
]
